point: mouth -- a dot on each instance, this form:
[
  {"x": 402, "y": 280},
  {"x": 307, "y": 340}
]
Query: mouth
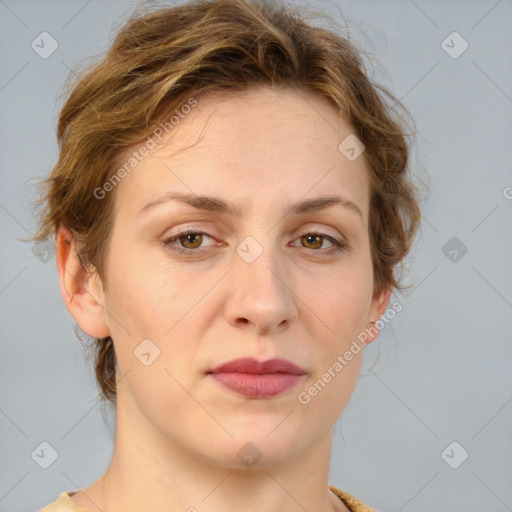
[{"x": 255, "y": 379}]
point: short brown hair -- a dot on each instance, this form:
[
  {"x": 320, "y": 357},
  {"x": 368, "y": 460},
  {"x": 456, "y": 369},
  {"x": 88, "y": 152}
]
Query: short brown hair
[{"x": 161, "y": 58}]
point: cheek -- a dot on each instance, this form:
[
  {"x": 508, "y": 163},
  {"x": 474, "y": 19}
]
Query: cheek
[
  {"x": 343, "y": 299},
  {"x": 151, "y": 300},
  {"x": 141, "y": 295}
]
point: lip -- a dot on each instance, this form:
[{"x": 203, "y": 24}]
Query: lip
[
  {"x": 258, "y": 379},
  {"x": 255, "y": 367}
]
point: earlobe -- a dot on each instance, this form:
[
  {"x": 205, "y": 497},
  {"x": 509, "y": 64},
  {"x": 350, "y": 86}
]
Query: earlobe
[
  {"x": 80, "y": 288},
  {"x": 379, "y": 304}
]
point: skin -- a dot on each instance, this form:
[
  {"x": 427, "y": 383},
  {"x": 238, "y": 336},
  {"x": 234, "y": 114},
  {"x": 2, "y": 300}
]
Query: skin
[{"x": 177, "y": 430}]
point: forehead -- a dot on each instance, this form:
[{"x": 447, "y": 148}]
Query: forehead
[{"x": 260, "y": 145}]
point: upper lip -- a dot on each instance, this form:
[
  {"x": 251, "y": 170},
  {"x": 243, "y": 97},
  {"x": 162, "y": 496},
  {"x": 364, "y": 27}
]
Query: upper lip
[{"x": 251, "y": 365}]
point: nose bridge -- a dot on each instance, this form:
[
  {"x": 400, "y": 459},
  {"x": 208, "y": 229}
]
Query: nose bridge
[
  {"x": 261, "y": 290},
  {"x": 260, "y": 262}
]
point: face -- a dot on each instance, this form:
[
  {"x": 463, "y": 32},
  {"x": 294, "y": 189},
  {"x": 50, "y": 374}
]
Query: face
[{"x": 274, "y": 280}]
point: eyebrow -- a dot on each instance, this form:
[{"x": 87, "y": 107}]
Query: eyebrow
[{"x": 217, "y": 204}]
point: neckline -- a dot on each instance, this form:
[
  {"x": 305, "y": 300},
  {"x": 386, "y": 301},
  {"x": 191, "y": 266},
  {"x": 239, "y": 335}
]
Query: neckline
[{"x": 347, "y": 499}]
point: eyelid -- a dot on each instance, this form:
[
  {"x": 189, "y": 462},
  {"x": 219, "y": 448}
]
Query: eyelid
[{"x": 187, "y": 231}]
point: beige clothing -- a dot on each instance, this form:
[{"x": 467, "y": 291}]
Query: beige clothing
[{"x": 65, "y": 504}]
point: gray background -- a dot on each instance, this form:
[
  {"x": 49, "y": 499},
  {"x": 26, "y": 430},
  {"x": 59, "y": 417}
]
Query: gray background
[{"x": 443, "y": 370}]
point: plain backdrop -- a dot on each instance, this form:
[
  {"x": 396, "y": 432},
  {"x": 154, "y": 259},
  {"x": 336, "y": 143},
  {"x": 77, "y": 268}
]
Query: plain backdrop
[{"x": 429, "y": 425}]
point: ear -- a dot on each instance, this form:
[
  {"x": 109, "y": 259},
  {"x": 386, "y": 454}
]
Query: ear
[
  {"x": 81, "y": 288},
  {"x": 378, "y": 308}
]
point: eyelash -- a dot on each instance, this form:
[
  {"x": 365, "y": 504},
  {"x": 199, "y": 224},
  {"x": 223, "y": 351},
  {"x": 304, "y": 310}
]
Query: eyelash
[{"x": 339, "y": 246}]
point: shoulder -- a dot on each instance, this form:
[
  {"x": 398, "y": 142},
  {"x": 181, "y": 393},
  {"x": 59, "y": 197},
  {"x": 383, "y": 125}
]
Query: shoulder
[
  {"x": 352, "y": 503},
  {"x": 62, "y": 504}
]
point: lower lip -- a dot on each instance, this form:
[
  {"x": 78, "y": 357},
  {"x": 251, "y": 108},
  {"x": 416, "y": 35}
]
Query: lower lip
[{"x": 258, "y": 386}]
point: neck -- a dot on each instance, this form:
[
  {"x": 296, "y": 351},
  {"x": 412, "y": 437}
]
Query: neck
[{"x": 149, "y": 471}]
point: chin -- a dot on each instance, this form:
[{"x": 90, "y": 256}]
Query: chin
[
  {"x": 257, "y": 443},
  {"x": 253, "y": 454}
]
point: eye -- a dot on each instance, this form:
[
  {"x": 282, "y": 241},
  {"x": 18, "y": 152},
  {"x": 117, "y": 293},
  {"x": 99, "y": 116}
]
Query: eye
[
  {"x": 191, "y": 241},
  {"x": 315, "y": 240}
]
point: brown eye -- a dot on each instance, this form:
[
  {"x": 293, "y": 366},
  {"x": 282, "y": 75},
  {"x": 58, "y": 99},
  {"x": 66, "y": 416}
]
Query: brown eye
[
  {"x": 194, "y": 239},
  {"x": 314, "y": 241},
  {"x": 187, "y": 242}
]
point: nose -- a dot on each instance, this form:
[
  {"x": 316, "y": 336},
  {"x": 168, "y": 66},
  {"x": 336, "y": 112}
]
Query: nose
[{"x": 262, "y": 297}]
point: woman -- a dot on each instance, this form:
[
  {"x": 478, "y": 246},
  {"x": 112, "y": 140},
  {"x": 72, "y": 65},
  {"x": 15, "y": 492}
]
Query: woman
[{"x": 230, "y": 206}]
